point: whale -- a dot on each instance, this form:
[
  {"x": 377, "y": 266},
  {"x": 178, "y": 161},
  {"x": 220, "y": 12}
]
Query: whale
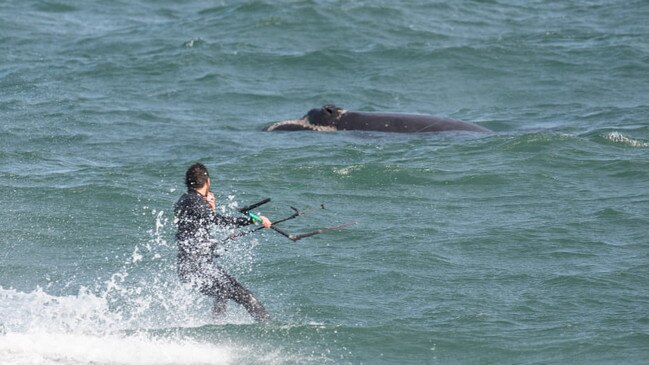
[{"x": 330, "y": 118}]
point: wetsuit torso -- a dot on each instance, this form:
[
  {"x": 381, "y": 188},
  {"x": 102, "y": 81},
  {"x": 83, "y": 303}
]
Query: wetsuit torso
[{"x": 195, "y": 220}]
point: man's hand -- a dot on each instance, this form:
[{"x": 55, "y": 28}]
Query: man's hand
[
  {"x": 211, "y": 200},
  {"x": 265, "y": 221}
]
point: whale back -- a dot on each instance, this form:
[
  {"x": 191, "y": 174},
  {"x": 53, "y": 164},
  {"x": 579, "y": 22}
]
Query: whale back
[
  {"x": 331, "y": 118},
  {"x": 403, "y": 123}
]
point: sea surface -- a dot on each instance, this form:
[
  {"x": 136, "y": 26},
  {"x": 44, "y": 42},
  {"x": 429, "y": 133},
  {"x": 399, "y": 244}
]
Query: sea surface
[{"x": 528, "y": 245}]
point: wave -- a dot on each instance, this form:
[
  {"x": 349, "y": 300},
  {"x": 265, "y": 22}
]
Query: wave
[
  {"x": 39, "y": 328},
  {"x": 124, "y": 319},
  {"x": 48, "y": 348},
  {"x": 619, "y": 138}
]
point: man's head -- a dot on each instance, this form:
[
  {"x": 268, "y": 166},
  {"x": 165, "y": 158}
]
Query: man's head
[{"x": 196, "y": 176}]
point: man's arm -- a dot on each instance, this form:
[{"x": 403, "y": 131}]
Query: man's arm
[{"x": 222, "y": 220}]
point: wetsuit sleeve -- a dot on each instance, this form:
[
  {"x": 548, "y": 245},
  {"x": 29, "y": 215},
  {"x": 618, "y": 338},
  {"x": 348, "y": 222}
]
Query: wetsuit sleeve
[{"x": 222, "y": 220}]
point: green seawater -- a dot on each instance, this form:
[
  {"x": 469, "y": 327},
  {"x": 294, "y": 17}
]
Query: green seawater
[{"x": 525, "y": 246}]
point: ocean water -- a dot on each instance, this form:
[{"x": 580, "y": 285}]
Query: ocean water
[{"x": 525, "y": 246}]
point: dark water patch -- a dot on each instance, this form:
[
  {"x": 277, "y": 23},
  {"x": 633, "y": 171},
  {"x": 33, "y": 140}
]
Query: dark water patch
[
  {"x": 54, "y": 7},
  {"x": 535, "y": 142},
  {"x": 627, "y": 117}
]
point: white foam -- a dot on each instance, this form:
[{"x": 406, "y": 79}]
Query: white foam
[
  {"x": 621, "y": 138},
  {"x": 39, "y": 311},
  {"x": 345, "y": 171},
  {"x": 48, "y": 348},
  {"x": 113, "y": 322},
  {"x": 39, "y": 328}
]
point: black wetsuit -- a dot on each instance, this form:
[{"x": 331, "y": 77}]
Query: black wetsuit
[{"x": 195, "y": 219}]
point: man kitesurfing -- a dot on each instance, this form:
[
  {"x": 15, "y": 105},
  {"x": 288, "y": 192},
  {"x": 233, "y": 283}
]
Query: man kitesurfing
[{"x": 195, "y": 215}]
